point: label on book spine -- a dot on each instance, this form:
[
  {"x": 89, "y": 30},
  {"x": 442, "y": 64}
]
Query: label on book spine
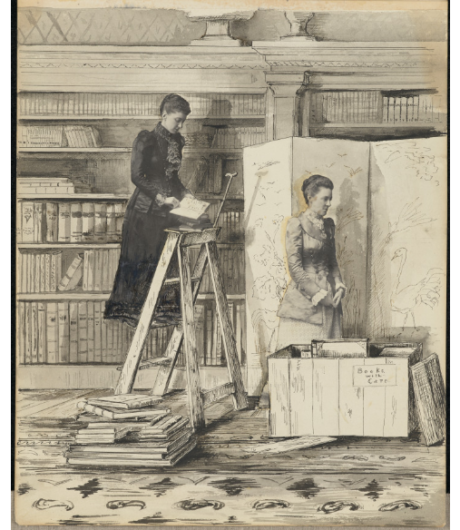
[
  {"x": 64, "y": 223},
  {"x": 100, "y": 220},
  {"x": 111, "y": 223},
  {"x": 88, "y": 222},
  {"x": 76, "y": 222},
  {"x": 28, "y": 232}
]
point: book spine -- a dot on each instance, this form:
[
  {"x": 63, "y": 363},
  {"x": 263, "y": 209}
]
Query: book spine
[
  {"x": 34, "y": 332},
  {"x": 36, "y": 272},
  {"x": 43, "y": 272},
  {"x": 105, "y": 278},
  {"x": 119, "y": 218},
  {"x": 82, "y": 333},
  {"x": 111, "y": 223},
  {"x": 55, "y": 275},
  {"x": 28, "y": 333},
  {"x": 64, "y": 332},
  {"x": 98, "y": 271},
  {"x": 97, "y": 333},
  {"x": 64, "y": 223},
  {"x": 41, "y": 329},
  {"x": 91, "y": 254},
  {"x": 100, "y": 227},
  {"x": 51, "y": 222},
  {"x": 85, "y": 270},
  {"x": 47, "y": 272},
  {"x": 73, "y": 332},
  {"x": 52, "y": 332},
  {"x": 76, "y": 222},
  {"x": 109, "y": 331},
  {"x": 39, "y": 222},
  {"x": 19, "y": 222},
  {"x": 27, "y": 222},
  {"x": 88, "y": 222},
  {"x": 110, "y": 269},
  {"x": 24, "y": 284},
  {"x": 90, "y": 331},
  {"x": 66, "y": 280},
  {"x": 104, "y": 350},
  {"x": 30, "y": 272},
  {"x": 20, "y": 333}
]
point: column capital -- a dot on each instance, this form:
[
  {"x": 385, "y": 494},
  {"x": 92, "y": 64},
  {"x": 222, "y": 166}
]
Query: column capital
[
  {"x": 284, "y": 85},
  {"x": 218, "y": 26}
]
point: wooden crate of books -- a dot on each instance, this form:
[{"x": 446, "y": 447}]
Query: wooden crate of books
[{"x": 342, "y": 388}]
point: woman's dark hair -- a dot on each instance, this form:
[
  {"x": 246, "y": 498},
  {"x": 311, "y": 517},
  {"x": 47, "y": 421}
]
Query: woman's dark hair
[
  {"x": 312, "y": 185},
  {"x": 174, "y": 103}
]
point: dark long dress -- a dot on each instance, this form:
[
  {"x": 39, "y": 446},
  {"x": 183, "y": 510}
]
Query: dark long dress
[{"x": 155, "y": 163}]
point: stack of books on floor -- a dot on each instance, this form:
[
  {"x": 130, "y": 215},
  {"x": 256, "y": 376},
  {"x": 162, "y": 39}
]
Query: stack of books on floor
[
  {"x": 129, "y": 440},
  {"x": 105, "y": 432}
]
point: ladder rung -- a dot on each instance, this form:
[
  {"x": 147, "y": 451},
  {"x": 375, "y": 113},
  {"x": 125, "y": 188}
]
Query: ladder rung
[
  {"x": 145, "y": 365},
  {"x": 172, "y": 281},
  {"x": 209, "y": 396}
]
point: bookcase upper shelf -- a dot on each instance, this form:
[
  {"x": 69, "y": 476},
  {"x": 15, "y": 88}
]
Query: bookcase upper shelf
[
  {"x": 83, "y": 117},
  {"x": 186, "y": 151}
]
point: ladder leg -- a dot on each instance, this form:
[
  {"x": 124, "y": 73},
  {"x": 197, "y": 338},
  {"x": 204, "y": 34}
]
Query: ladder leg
[
  {"x": 233, "y": 364},
  {"x": 192, "y": 368},
  {"x": 165, "y": 372},
  {"x": 128, "y": 373}
]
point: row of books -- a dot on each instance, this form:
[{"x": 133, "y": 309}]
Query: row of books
[
  {"x": 58, "y": 136},
  {"x": 208, "y": 335},
  {"x": 418, "y": 108},
  {"x": 69, "y": 222},
  {"x": 231, "y": 262},
  {"x": 345, "y": 107},
  {"x": 96, "y": 104},
  {"x": 69, "y": 332},
  {"x": 39, "y": 272},
  {"x": 236, "y": 137},
  {"x": 231, "y": 224},
  {"x": 76, "y": 333},
  {"x": 44, "y": 186}
]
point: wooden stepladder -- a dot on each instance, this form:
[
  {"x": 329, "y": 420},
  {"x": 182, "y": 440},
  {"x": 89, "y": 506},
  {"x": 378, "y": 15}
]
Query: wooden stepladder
[{"x": 179, "y": 241}]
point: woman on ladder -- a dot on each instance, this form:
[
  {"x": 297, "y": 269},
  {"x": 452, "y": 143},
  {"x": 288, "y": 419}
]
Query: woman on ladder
[{"x": 155, "y": 163}]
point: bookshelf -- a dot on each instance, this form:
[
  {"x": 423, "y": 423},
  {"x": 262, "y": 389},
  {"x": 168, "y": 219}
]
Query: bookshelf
[
  {"x": 98, "y": 168},
  {"x": 376, "y": 112}
]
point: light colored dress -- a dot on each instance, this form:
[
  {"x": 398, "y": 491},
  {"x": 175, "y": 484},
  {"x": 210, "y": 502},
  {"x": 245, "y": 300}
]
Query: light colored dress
[{"x": 312, "y": 262}]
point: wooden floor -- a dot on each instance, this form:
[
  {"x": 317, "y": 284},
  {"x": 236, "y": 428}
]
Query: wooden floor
[
  {"x": 229, "y": 433},
  {"x": 225, "y": 482}
]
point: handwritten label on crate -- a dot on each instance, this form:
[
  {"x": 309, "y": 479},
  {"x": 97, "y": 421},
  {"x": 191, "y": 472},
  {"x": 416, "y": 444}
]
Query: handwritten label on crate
[{"x": 375, "y": 375}]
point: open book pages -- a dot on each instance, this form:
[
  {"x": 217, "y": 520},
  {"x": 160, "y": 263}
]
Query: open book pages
[{"x": 191, "y": 208}]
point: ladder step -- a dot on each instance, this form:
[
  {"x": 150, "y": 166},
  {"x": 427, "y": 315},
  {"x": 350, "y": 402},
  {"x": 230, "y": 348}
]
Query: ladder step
[
  {"x": 145, "y": 365},
  {"x": 209, "y": 396},
  {"x": 173, "y": 281}
]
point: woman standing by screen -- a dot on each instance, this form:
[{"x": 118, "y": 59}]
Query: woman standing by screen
[
  {"x": 155, "y": 163},
  {"x": 311, "y": 307}
]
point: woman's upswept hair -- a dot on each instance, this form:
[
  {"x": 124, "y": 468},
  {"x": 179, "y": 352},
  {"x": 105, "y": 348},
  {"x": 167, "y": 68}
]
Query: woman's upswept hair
[
  {"x": 312, "y": 185},
  {"x": 174, "y": 103}
]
